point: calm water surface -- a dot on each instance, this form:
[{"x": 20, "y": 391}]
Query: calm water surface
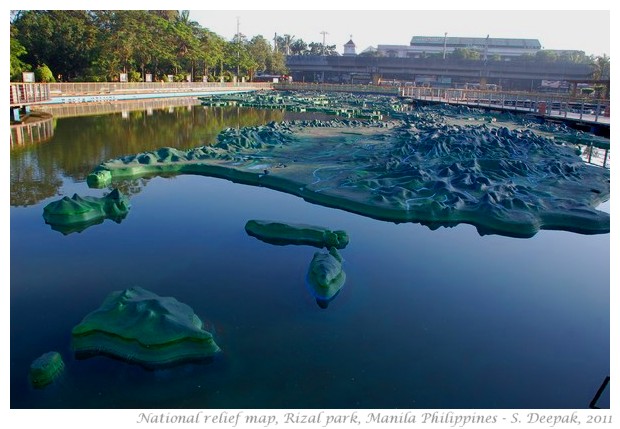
[{"x": 426, "y": 319}]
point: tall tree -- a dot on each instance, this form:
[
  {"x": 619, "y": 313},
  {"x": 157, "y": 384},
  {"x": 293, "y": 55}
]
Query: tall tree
[
  {"x": 298, "y": 47},
  {"x": 17, "y": 51},
  {"x": 259, "y": 50},
  {"x": 601, "y": 67},
  {"x": 65, "y": 40}
]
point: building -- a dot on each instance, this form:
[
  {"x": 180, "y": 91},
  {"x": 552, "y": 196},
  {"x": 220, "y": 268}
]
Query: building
[
  {"x": 487, "y": 47},
  {"x": 349, "y": 47}
]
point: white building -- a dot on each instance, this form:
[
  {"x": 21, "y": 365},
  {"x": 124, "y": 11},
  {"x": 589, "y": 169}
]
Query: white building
[
  {"x": 349, "y": 48},
  {"x": 421, "y": 46}
]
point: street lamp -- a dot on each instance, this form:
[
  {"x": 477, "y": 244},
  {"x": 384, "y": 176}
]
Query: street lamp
[
  {"x": 324, "y": 33},
  {"x": 445, "y": 39}
]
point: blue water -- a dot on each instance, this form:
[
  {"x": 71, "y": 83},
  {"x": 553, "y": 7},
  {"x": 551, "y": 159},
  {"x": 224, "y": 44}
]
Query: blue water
[{"x": 426, "y": 319}]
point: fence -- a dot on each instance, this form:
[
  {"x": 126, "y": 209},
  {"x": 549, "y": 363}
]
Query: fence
[
  {"x": 99, "y": 88},
  {"x": 330, "y": 87},
  {"x": 22, "y": 94},
  {"x": 542, "y": 104}
]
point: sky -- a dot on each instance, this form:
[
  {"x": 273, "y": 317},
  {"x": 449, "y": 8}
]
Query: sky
[
  {"x": 588, "y": 31},
  {"x": 556, "y": 24}
]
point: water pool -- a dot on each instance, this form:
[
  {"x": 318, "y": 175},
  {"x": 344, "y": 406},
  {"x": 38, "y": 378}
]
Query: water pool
[{"x": 426, "y": 319}]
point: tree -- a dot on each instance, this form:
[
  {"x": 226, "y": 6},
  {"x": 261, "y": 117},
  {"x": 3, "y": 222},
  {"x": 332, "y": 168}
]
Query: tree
[
  {"x": 17, "y": 51},
  {"x": 546, "y": 56},
  {"x": 465, "y": 54},
  {"x": 211, "y": 51},
  {"x": 298, "y": 47},
  {"x": 314, "y": 48},
  {"x": 601, "y": 68},
  {"x": 65, "y": 40},
  {"x": 259, "y": 50},
  {"x": 276, "y": 63},
  {"x": 44, "y": 74}
]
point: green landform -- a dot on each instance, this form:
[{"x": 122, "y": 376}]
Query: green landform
[
  {"x": 419, "y": 168},
  {"x": 136, "y": 325},
  {"x": 280, "y": 233},
  {"x": 325, "y": 276},
  {"x": 77, "y": 213},
  {"x": 45, "y": 369}
]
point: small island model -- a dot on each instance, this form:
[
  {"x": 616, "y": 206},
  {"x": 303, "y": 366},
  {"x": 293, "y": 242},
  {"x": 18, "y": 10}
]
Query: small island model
[
  {"x": 508, "y": 181},
  {"x": 77, "y": 213},
  {"x": 45, "y": 369},
  {"x": 136, "y": 325},
  {"x": 325, "y": 276},
  {"x": 280, "y": 233}
]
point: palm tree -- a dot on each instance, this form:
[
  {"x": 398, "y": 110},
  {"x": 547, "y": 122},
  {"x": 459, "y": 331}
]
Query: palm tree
[
  {"x": 601, "y": 68},
  {"x": 600, "y": 72}
]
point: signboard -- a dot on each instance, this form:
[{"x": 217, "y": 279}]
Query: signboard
[
  {"x": 205, "y": 79},
  {"x": 170, "y": 78},
  {"x": 148, "y": 77},
  {"x": 28, "y": 77},
  {"x": 123, "y": 77}
]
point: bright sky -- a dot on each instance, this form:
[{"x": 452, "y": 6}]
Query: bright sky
[{"x": 588, "y": 31}]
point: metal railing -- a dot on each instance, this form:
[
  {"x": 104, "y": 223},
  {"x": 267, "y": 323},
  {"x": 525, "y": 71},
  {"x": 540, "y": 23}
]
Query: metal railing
[
  {"x": 106, "y": 88},
  {"x": 22, "y": 94},
  {"x": 330, "y": 87},
  {"x": 552, "y": 105}
]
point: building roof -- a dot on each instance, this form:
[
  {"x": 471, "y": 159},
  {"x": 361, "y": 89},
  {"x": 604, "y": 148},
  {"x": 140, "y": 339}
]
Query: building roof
[
  {"x": 350, "y": 43},
  {"x": 475, "y": 41}
]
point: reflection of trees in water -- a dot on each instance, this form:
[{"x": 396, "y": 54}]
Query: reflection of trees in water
[
  {"x": 130, "y": 187},
  {"x": 30, "y": 183},
  {"x": 82, "y": 143}
]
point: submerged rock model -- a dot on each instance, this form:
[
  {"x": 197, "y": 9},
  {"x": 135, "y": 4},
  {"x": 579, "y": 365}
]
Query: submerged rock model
[
  {"x": 505, "y": 181},
  {"x": 78, "y": 213},
  {"x": 325, "y": 276},
  {"x": 46, "y": 368},
  {"x": 139, "y": 326},
  {"x": 290, "y": 233}
]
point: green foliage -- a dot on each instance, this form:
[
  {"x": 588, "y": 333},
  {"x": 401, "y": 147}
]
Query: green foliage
[
  {"x": 465, "y": 54},
  {"x": 601, "y": 67},
  {"x": 44, "y": 74},
  {"x": 17, "y": 51},
  {"x": 134, "y": 76},
  {"x": 546, "y": 56}
]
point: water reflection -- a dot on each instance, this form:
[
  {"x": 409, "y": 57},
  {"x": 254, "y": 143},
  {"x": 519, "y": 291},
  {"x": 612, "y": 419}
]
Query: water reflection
[
  {"x": 79, "y": 144},
  {"x": 32, "y": 133},
  {"x": 325, "y": 276}
]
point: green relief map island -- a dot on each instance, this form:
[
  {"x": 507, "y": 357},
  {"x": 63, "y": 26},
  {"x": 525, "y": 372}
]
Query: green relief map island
[
  {"x": 417, "y": 168},
  {"x": 136, "y": 325}
]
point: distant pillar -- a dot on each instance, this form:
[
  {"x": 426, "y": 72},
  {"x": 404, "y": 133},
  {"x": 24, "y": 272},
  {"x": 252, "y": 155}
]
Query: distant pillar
[
  {"x": 483, "y": 83},
  {"x": 376, "y": 78}
]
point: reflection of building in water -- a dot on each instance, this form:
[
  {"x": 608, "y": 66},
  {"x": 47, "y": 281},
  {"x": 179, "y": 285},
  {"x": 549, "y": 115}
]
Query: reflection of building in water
[{"x": 35, "y": 132}]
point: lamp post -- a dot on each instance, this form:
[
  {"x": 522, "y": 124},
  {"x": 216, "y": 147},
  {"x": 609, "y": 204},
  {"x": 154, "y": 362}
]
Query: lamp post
[
  {"x": 324, "y": 33},
  {"x": 238, "y": 48},
  {"x": 445, "y": 40}
]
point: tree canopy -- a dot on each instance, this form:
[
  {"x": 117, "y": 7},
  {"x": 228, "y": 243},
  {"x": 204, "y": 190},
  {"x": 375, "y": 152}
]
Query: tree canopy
[{"x": 98, "y": 45}]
